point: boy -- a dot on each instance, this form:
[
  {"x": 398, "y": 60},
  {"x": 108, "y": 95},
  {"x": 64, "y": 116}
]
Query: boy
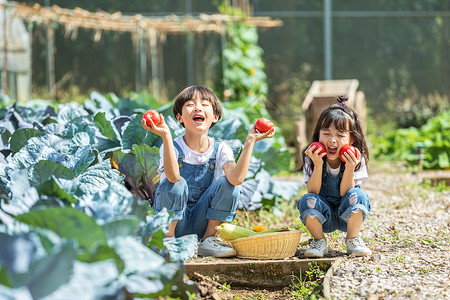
[{"x": 192, "y": 166}]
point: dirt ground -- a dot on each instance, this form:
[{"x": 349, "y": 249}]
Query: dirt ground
[{"x": 408, "y": 232}]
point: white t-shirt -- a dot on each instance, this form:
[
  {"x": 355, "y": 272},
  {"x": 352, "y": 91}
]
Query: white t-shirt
[
  {"x": 359, "y": 175},
  {"x": 224, "y": 154}
]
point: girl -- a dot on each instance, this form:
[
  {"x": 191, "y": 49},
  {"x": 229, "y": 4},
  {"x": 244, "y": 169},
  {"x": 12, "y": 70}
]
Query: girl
[
  {"x": 335, "y": 200},
  {"x": 200, "y": 181}
]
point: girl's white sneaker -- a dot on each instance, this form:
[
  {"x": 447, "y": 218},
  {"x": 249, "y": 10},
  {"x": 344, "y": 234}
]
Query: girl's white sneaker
[
  {"x": 318, "y": 248},
  {"x": 357, "y": 247}
]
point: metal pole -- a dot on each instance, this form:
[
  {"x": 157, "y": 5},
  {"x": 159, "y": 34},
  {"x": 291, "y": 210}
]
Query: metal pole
[
  {"x": 189, "y": 48},
  {"x": 5, "y": 52},
  {"x": 327, "y": 41},
  {"x": 143, "y": 59},
  {"x": 30, "y": 65},
  {"x": 154, "y": 59},
  {"x": 223, "y": 44},
  {"x": 137, "y": 73},
  {"x": 50, "y": 58}
]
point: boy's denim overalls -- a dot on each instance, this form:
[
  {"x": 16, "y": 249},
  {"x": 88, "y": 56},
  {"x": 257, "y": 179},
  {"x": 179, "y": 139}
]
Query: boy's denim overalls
[
  {"x": 196, "y": 197},
  {"x": 332, "y": 210}
]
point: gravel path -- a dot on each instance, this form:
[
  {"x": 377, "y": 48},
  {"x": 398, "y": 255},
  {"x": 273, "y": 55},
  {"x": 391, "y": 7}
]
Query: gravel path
[{"x": 408, "y": 231}]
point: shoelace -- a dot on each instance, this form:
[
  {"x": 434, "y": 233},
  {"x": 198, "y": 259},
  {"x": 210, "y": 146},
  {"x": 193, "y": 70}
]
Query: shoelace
[
  {"x": 315, "y": 244},
  {"x": 214, "y": 244},
  {"x": 357, "y": 242}
]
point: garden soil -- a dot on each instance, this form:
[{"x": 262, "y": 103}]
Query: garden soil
[{"x": 408, "y": 232}]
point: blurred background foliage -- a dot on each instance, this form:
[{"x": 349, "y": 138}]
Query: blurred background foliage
[{"x": 398, "y": 50}]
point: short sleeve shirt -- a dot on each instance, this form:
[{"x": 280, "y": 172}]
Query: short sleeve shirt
[
  {"x": 224, "y": 154},
  {"x": 359, "y": 175}
]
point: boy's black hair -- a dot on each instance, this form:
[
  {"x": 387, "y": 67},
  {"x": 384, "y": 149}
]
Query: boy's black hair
[
  {"x": 189, "y": 93},
  {"x": 341, "y": 116}
]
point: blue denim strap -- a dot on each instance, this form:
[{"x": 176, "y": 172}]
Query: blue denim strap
[
  {"x": 212, "y": 159},
  {"x": 180, "y": 153}
]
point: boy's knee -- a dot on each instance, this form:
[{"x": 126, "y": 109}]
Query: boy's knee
[
  {"x": 171, "y": 195},
  {"x": 226, "y": 187},
  {"x": 179, "y": 187},
  {"x": 223, "y": 182}
]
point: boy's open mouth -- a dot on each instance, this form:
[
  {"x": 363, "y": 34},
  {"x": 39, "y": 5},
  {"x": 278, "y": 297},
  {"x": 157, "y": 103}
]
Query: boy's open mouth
[{"x": 198, "y": 119}]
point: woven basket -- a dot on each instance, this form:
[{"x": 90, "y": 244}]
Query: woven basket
[{"x": 268, "y": 245}]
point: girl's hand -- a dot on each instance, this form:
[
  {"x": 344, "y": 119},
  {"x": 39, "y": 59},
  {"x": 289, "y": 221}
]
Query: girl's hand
[
  {"x": 162, "y": 129},
  {"x": 351, "y": 161},
  {"x": 313, "y": 152},
  {"x": 255, "y": 136}
]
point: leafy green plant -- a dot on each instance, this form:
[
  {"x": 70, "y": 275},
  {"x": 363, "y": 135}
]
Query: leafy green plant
[
  {"x": 66, "y": 215},
  {"x": 244, "y": 78},
  {"x": 415, "y": 110},
  {"x": 402, "y": 144}
]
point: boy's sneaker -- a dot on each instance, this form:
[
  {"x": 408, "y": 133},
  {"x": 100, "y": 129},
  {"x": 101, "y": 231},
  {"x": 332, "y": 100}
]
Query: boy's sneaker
[
  {"x": 357, "y": 247},
  {"x": 318, "y": 248},
  {"x": 168, "y": 240},
  {"x": 209, "y": 247}
]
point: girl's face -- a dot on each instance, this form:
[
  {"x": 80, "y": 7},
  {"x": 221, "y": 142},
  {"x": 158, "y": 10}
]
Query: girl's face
[
  {"x": 197, "y": 114},
  {"x": 334, "y": 139}
]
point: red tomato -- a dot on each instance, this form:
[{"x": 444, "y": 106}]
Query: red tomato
[
  {"x": 263, "y": 125},
  {"x": 344, "y": 149},
  {"x": 153, "y": 115},
  {"x": 319, "y": 146}
]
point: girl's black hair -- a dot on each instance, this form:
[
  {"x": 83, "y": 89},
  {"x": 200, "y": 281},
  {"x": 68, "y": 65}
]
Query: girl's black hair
[
  {"x": 343, "y": 118},
  {"x": 189, "y": 93}
]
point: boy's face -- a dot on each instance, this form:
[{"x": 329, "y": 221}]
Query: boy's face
[
  {"x": 197, "y": 114},
  {"x": 334, "y": 139}
]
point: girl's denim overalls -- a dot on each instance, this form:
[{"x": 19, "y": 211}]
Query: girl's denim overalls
[
  {"x": 332, "y": 210},
  {"x": 196, "y": 197}
]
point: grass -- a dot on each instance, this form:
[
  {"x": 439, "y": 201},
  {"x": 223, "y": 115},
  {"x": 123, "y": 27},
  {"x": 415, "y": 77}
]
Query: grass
[{"x": 309, "y": 287}]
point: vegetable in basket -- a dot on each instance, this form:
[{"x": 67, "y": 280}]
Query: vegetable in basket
[{"x": 229, "y": 232}]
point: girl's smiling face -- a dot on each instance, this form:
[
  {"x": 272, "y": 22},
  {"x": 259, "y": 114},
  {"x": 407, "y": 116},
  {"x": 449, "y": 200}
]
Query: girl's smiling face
[
  {"x": 197, "y": 114},
  {"x": 334, "y": 139}
]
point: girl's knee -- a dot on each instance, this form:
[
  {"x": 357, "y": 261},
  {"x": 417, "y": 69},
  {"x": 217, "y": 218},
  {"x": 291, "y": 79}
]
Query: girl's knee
[
  {"x": 356, "y": 196},
  {"x": 354, "y": 201},
  {"x": 308, "y": 201}
]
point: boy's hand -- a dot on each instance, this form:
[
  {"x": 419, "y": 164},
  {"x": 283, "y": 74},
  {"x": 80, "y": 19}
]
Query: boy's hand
[
  {"x": 313, "y": 152},
  {"x": 255, "y": 136},
  {"x": 162, "y": 129}
]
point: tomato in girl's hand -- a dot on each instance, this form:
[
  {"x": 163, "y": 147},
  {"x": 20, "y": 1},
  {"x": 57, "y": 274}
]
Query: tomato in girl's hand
[
  {"x": 153, "y": 115},
  {"x": 344, "y": 149},
  {"x": 263, "y": 125},
  {"x": 319, "y": 146}
]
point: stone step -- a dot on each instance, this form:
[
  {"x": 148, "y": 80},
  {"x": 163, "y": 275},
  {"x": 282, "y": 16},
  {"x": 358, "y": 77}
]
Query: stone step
[{"x": 255, "y": 273}]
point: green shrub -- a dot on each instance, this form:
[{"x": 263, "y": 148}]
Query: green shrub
[
  {"x": 244, "y": 78},
  {"x": 415, "y": 110},
  {"x": 402, "y": 144}
]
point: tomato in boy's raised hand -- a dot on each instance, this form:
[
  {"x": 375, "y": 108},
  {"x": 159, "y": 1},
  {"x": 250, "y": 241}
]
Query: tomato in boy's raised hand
[
  {"x": 263, "y": 125},
  {"x": 153, "y": 115},
  {"x": 344, "y": 149},
  {"x": 319, "y": 146}
]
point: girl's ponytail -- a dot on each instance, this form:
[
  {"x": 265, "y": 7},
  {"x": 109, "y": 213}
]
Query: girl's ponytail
[{"x": 342, "y": 99}]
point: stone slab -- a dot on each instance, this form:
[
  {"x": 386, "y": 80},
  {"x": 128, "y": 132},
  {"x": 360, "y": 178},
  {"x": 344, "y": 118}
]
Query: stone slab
[{"x": 255, "y": 273}]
